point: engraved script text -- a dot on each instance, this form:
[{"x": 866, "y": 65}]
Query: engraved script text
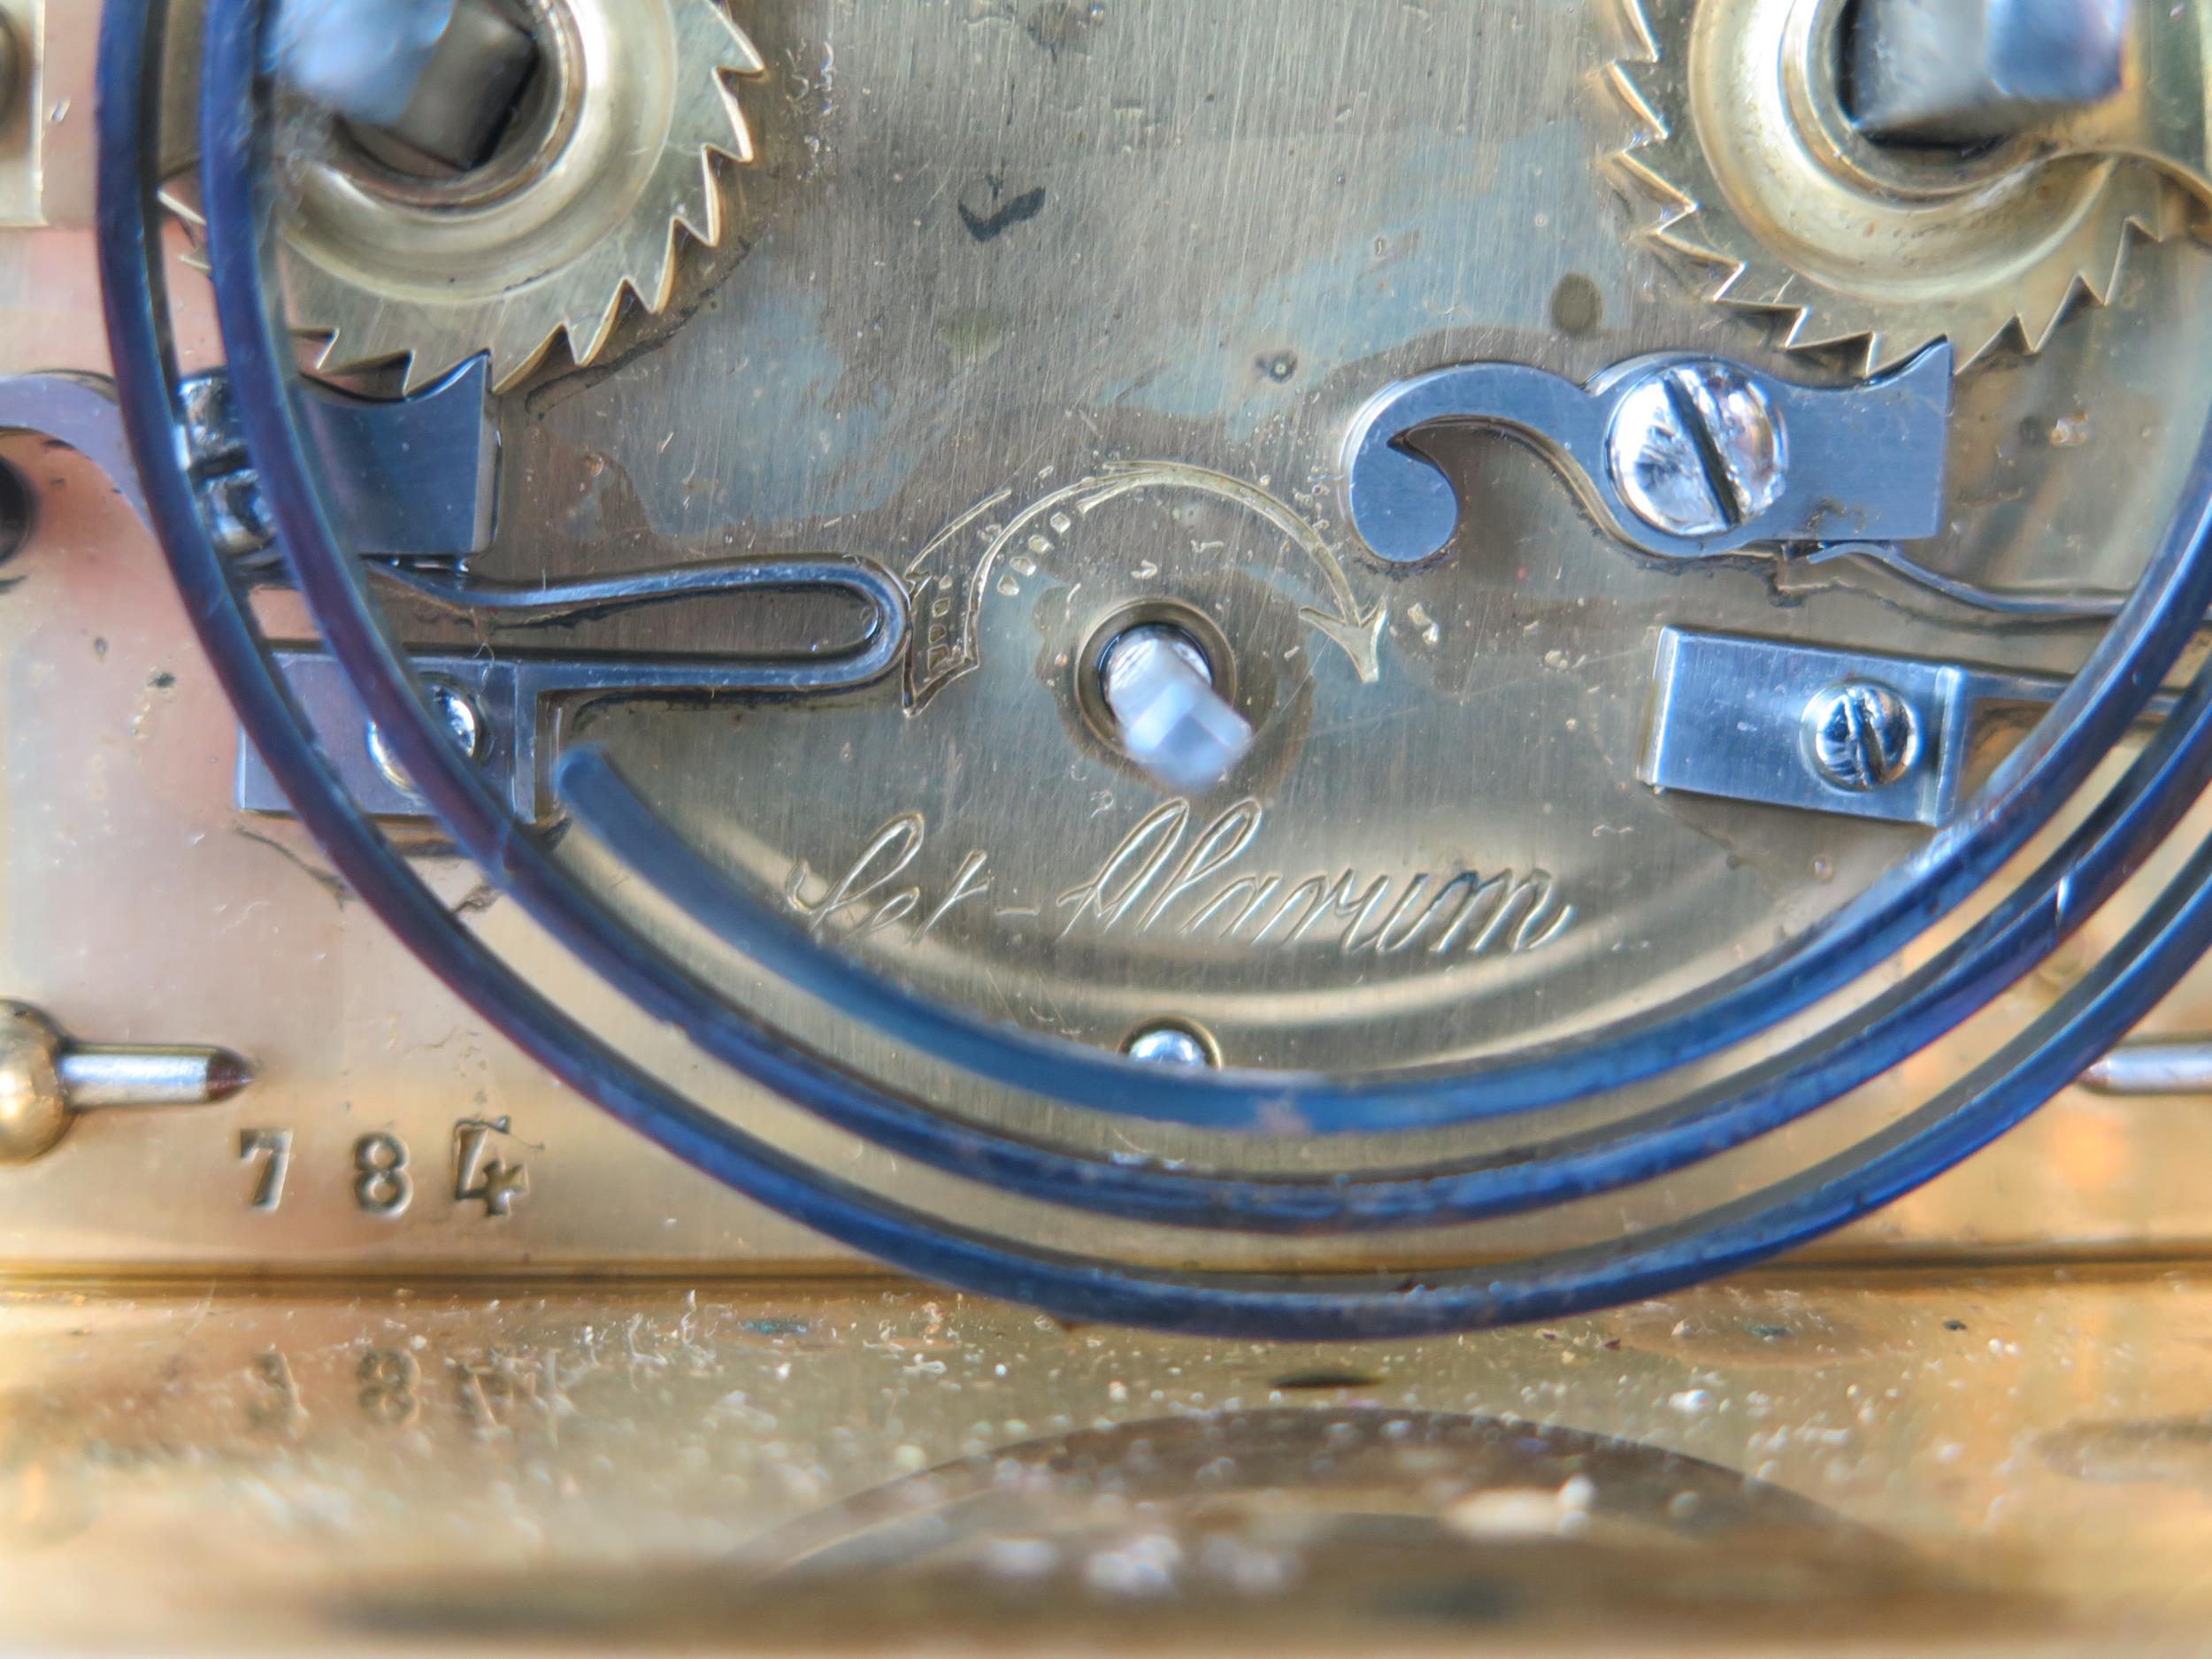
[{"x": 1172, "y": 876}]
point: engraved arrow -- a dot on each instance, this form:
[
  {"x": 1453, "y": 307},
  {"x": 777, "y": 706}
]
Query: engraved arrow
[{"x": 1357, "y": 634}]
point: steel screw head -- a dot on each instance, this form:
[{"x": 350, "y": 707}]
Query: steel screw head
[
  {"x": 1168, "y": 1044},
  {"x": 462, "y": 721},
  {"x": 229, "y": 490},
  {"x": 1861, "y": 735},
  {"x": 1697, "y": 447}
]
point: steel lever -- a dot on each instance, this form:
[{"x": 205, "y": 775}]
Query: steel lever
[{"x": 1680, "y": 457}]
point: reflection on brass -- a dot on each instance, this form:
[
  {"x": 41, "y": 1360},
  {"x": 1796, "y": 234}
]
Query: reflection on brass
[
  {"x": 24, "y": 139},
  {"x": 2014, "y": 1460},
  {"x": 1276, "y": 1525},
  {"x": 2162, "y": 112}
]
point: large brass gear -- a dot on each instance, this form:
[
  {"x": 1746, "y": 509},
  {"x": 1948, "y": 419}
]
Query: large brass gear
[
  {"x": 585, "y": 210},
  {"x": 1766, "y": 186}
]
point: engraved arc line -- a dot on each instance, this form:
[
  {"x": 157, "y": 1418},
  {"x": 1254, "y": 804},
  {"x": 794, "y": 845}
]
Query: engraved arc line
[{"x": 1357, "y": 634}]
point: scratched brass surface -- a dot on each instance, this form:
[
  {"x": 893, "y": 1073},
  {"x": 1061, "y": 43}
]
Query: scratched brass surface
[
  {"x": 983, "y": 256},
  {"x": 2012, "y": 1464},
  {"x": 1063, "y": 310}
]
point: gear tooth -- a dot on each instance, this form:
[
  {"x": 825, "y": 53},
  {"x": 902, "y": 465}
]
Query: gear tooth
[
  {"x": 1768, "y": 289},
  {"x": 649, "y": 274},
  {"x": 176, "y": 200},
  {"x": 2158, "y": 207},
  {"x": 1796, "y": 336},
  {"x": 352, "y": 351},
  {"x": 703, "y": 220},
  {"x": 339, "y": 353},
  {"x": 2098, "y": 286},
  {"x": 1654, "y": 185},
  {"x": 585, "y": 345},
  {"x": 1759, "y": 290},
  {"x": 2082, "y": 252},
  {"x": 2121, "y": 255},
  {"x": 1888, "y": 350},
  {"x": 328, "y": 354},
  {"x": 745, "y": 59},
  {"x": 1643, "y": 39},
  {"x": 1854, "y": 342},
  {"x": 419, "y": 372},
  {"x": 660, "y": 276},
  {"x": 1968, "y": 355},
  {"x": 1699, "y": 252},
  {"x": 2102, "y": 265},
  {"x": 588, "y": 332},
  {"x": 1678, "y": 231},
  {"x": 422, "y": 365},
  {"x": 1684, "y": 233},
  {"x": 375, "y": 341},
  {"x": 740, "y": 148},
  {"x": 511, "y": 365},
  {"x": 2043, "y": 305},
  {"x": 1640, "y": 108},
  {"x": 737, "y": 54}
]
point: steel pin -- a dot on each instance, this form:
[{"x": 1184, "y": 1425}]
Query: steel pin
[{"x": 46, "y": 1079}]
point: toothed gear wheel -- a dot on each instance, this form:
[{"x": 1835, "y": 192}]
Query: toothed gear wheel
[
  {"x": 1784, "y": 208},
  {"x": 637, "y": 103}
]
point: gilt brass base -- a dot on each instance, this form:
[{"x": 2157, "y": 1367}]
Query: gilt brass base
[{"x": 1899, "y": 1462}]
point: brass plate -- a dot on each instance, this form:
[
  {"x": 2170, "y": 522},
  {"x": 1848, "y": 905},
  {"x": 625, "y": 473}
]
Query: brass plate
[
  {"x": 983, "y": 256},
  {"x": 2009, "y": 1464},
  {"x": 1090, "y": 339}
]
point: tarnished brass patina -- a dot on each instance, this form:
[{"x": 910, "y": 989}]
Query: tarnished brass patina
[
  {"x": 375, "y": 1339},
  {"x": 1903, "y": 1465},
  {"x": 1061, "y": 313}
]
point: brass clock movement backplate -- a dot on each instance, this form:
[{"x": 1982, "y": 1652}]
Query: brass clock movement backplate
[{"x": 1062, "y": 312}]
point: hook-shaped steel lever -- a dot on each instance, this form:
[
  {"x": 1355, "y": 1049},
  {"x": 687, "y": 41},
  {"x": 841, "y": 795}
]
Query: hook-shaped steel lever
[{"x": 1680, "y": 457}]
